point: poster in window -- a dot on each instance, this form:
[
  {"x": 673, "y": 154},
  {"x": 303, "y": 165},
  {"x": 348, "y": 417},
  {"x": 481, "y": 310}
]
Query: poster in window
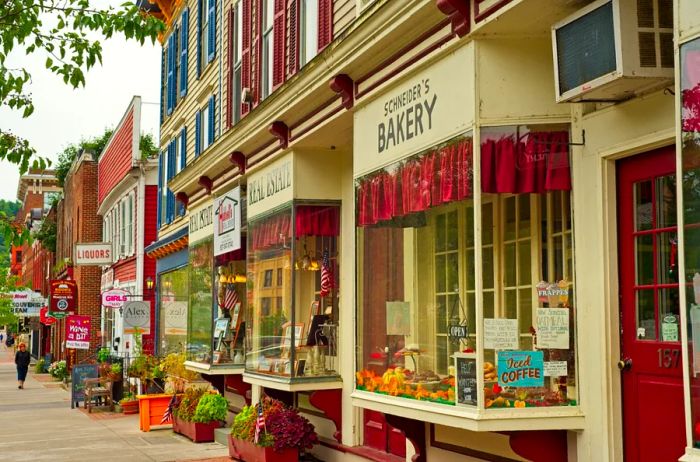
[
  {"x": 466, "y": 382},
  {"x": 398, "y": 318},
  {"x": 552, "y": 328}
]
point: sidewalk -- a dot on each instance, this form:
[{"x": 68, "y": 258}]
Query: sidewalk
[{"x": 37, "y": 424}]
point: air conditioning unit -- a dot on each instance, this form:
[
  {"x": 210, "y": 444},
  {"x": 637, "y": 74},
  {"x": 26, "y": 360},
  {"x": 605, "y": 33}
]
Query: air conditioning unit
[{"x": 612, "y": 50}]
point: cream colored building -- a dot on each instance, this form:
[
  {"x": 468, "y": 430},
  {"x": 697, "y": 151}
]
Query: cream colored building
[{"x": 460, "y": 239}]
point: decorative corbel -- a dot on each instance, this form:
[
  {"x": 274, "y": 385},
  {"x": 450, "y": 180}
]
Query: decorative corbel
[
  {"x": 238, "y": 159},
  {"x": 279, "y": 130},
  {"x": 183, "y": 198},
  {"x": 343, "y": 85},
  {"x": 206, "y": 183},
  {"x": 458, "y": 12}
]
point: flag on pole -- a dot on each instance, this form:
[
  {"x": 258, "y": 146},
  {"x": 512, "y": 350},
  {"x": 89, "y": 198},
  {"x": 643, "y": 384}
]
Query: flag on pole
[
  {"x": 259, "y": 423},
  {"x": 168, "y": 414},
  {"x": 230, "y": 297},
  {"x": 326, "y": 275}
]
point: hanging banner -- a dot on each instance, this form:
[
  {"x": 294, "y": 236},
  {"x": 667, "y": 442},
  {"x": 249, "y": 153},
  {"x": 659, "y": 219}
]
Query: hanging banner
[
  {"x": 227, "y": 222},
  {"x": 137, "y": 317},
  {"x": 78, "y": 332},
  {"x": 64, "y": 298},
  {"x": 115, "y": 298},
  {"x": 27, "y": 304}
]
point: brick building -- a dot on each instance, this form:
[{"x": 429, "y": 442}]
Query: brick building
[{"x": 78, "y": 222}]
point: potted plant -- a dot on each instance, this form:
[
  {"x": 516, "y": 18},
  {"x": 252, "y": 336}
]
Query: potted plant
[
  {"x": 59, "y": 370},
  {"x": 199, "y": 413},
  {"x": 284, "y": 436},
  {"x": 177, "y": 376},
  {"x": 129, "y": 404}
]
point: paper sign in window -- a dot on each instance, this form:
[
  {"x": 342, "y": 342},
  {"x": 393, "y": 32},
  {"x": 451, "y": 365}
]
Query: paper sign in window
[
  {"x": 552, "y": 328},
  {"x": 501, "y": 334}
]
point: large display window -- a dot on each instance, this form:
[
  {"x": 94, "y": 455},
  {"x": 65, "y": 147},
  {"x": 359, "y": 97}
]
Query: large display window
[
  {"x": 172, "y": 294},
  {"x": 293, "y": 292},
  {"x": 201, "y": 307},
  {"x": 465, "y": 298},
  {"x": 230, "y": 325}
]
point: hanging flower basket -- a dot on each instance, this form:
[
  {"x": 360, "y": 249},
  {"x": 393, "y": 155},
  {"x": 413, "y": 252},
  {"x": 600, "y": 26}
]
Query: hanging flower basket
[
  {"x": 249, "y": 452},
  {"x": 196, "y": 431}
]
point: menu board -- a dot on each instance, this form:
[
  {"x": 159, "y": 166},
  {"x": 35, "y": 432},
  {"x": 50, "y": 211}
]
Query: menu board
[
  {"x": 466, "y": 383},
  {"x": 78, "y": 375}
]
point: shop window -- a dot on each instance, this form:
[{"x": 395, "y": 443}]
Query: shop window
[
  {"x": 419, "y": 260},
  {"x": 690, "y": 134},
  {"x": 230, "y": 325},
  {"x": 200, "y": 317},
  {"x": 293, "y": 332},
  {"x": 172, "y": 295}
]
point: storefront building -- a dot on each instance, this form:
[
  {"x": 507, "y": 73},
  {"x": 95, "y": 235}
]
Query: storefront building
[
  {"x": 460, "y": 249},
  {"x": 127, "y": 199}
]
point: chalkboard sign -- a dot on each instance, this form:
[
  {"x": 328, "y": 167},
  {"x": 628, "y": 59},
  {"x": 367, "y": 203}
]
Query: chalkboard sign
[
  {"x": 466, "y": 382},
  {"x": 78, "y": 375}
]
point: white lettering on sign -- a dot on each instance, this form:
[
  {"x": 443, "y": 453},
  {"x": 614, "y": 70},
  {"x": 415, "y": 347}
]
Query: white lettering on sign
[
  {"x": 272, "y": 182},
  {"x": 408, "y": 114}
]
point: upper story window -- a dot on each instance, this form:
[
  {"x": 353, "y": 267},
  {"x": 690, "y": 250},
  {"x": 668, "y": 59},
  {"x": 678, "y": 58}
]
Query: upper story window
[
  {"x": 268, "y": 48},
  {"x": 126, "y": 228},
  {"x": 205, "y": 126},
  {"x": 308, "y": 20},
  {"x": 206, "y": 33},
  {"x": 174, "y": 64}
]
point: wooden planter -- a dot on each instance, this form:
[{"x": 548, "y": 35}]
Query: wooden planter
[
  {"x": 196, "y": 431},
  {"x": 249, "y": 452},
  {"x": 151, "y": 410},
  {"x": 130, "y": 407}
]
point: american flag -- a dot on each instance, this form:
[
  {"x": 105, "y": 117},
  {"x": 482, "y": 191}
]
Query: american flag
[
  {"x": 230, "y": 297},
  {"x": 326, "y": 275},
  {"x": 259, "y": 423},
  {"x": 168, "y": 414}
]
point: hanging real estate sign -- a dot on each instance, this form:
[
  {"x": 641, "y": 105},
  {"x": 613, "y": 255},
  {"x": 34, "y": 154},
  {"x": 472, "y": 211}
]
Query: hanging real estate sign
[
  {"x": 64, "y": 298},
  {"x": 137, "y": 317},
  {"x": 227, "y": 222},
  {"x": 93, "y": 253},
  {"x": 78, "y": 332},
  {"x": 27, "y": 304},
  {"x": 201, "y": 223}
]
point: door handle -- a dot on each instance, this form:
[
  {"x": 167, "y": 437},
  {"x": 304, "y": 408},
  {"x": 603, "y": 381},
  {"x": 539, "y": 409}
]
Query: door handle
[{"x": 624, "y": 364}]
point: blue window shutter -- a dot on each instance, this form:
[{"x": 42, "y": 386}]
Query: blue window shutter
[
  {"x": 199, "y": 36},
  {"x": 211, "y": 52},
  {"x": 183, "y": 148},
  {"x": 162, "y": 82},
  {"x": 211, "y": 111},
  {"x": 160, "y": 187},
  {"x": 171, "y": 173},
  {"x": 197, "y": 133},
  {"x": 171, "y": 80},
  {"x": 176, "y": 57},
  {"x": 184, "y": 44}
]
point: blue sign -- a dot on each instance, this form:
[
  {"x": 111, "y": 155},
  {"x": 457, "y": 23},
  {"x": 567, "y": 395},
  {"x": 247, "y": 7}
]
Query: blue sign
[{"x": 521, "y": 368}]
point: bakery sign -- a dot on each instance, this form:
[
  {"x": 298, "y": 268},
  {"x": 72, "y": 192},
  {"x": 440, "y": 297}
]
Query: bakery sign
[
  {"x": 64, "y": 298},
  {"x": 93, "y": 253},
  {"x": 227, "y": 222}
]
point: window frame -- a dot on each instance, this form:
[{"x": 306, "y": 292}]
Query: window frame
[
  {"x": 267, "y": 60},
  {"x": 236, "y": 77},
  {"x": 306, "y": 34},
  {"x": 204, "y": 33}
]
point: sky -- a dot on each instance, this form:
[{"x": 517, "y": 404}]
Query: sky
[{"x": 64, "y": 115}]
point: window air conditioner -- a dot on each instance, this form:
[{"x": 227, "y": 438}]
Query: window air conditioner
[{"x": 612, "y": 50}]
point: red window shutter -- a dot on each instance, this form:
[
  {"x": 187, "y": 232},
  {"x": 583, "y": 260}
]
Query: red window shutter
[
  {"x": 293, "y": 37},
  {"x": 279, "y": 38},
  {"x": 257, "y": 51},
  {"x": 325, "y": 23},
  {"x": 229, "y": 64},
  {"x": 245, "y": 55}
]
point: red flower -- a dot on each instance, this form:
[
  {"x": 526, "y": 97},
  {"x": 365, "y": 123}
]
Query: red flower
[{"x": 496, "y": 389}]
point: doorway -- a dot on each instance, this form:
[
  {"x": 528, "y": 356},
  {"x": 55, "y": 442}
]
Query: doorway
[{"x": 650, "y": 364}]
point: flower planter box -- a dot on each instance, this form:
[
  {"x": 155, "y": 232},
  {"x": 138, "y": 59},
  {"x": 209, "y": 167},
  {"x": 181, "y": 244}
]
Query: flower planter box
[
  {"x": 151, "y": 409},
  {"x": 130, "y": 407},
  {"x": 249, "y": 452},
  {"x": 196, "y": 431}
]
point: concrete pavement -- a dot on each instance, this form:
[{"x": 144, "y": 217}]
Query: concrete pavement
[{"x": 37, "y": 424}]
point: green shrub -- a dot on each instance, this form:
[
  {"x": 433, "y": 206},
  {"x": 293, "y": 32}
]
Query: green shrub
[
  {"x": 188, "y": 405},
  {"x": 211, "y": 407},
  {"x": 39, "y": 366}
]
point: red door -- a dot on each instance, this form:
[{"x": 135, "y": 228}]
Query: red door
[
  {"x": 381, "y": 436},
  {"x": 652, "y": 383}
]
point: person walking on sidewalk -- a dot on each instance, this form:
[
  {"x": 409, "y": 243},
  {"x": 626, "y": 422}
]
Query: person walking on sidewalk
[{"x": 22, "y": 359}]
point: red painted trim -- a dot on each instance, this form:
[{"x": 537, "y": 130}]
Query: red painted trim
[
  {"x": 206, "y": 183},
  {"x": 238, "y": 159},
  {"x": 329, "y": 402},
  {"x": 458, "y": 12},
  {"x": 342, "y": 84},
  {"x": 481, "y": 15},
  {"x": 229, "y": 73},
  {"x": 280, "y": 130},
  {"x": 362, "y": 451}
]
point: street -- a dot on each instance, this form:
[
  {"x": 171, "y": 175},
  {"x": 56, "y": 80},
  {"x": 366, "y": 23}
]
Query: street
[{"x": 37, "y": 424}]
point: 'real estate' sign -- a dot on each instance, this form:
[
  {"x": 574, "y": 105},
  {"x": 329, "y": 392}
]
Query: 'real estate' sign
[
  {"x": 271, "y": 186},
  {"x": 27, "y": 304},
  {"x": 227, "y": 222},
  {"x": 137, "y": 317},
  {"x": 78, "y": 332},
  {"x": 201, "y": 222},
  {"x": 94, "y": 253},
  {"x": 64, "y": 298},
  {"x": 426, "y": 108}
]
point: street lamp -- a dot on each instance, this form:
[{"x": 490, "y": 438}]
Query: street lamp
[{"x": 149, "y": 283}]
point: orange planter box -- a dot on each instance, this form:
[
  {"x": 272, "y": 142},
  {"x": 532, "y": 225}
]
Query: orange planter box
[{"x": 151, "y": 410}]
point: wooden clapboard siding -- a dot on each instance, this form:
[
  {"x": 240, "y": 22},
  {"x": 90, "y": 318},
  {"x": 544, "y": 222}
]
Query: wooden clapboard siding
[
  {"x": 344, "y": 13},
  {"x": 117, "y": 158}
]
